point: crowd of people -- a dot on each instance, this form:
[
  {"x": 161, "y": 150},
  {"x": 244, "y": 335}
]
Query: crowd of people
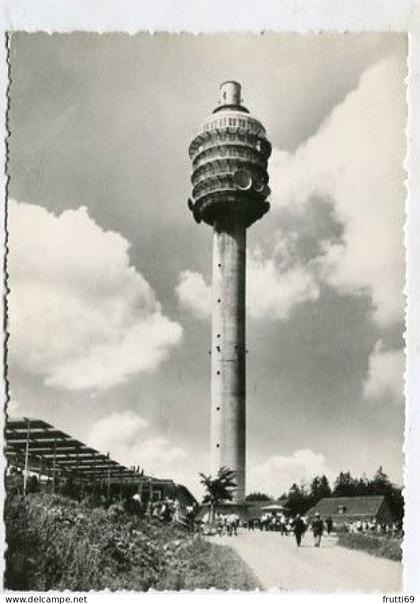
[
  {"x": 296, "y": 525},
  {"x": 371, "y": 526},
  {"x": 171, "y": 510},
  {"x": 284, "y": 524},
  {"x": 165, "y": 509},
  {"x": 229, "y": 523}
]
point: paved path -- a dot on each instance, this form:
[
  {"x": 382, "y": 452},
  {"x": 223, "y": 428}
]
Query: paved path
[{"x": 279, "y": 563}]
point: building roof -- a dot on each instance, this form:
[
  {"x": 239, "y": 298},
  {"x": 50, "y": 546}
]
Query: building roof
[
  {"x": 184, "y": 495},
  {"x": 255, "y": 506},
  {"x": 49, "y": 451},
  {"x": 366, "y": 505},
  {"x": 263, "y": 502}
]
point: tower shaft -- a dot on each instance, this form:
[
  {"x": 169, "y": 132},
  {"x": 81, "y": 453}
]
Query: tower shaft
[
  {"x": 229, "y": 157},
  {"x": 228, "y": 427}
]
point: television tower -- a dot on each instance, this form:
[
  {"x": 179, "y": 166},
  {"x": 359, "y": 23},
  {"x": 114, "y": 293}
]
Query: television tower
[{"x": 230, "y": 186}]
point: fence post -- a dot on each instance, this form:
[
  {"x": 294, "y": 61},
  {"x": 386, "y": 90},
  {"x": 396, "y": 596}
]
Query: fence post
[
  {"x": 26, "y": 473},
  {"x": 41, "y": 459},
  {"x": 54, "y": 464},
  {"x": 109, "y": 479}
]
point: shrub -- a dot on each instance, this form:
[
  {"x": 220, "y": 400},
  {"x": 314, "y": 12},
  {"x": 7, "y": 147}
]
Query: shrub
[
  {"x": 56, "y": 543},
  {"x": 377, "y": 545}
]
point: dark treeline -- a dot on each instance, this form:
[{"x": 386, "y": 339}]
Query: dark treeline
[
  {"x": 299, "y": 499},
  {"x": 257, "y": 496}
]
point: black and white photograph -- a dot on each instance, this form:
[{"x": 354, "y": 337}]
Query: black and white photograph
[{"x": 205, "y": 311}]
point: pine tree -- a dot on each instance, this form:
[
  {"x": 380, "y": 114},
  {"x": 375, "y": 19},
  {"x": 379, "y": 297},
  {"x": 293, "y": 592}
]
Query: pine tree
[
  {"x": 298, "y": 501},
  {"x": 324, "y": 487},
  {"x": 257, "y": 496},
  {"x": 381, "y": 483},
  {"x": 319, "y": 489},
  {"x": 345, "y": 485},
  {"x": 315, "y": 488}
]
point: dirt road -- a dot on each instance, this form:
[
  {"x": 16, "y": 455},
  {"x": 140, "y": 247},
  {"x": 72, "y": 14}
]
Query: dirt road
[{"x": 279, "y": 563}]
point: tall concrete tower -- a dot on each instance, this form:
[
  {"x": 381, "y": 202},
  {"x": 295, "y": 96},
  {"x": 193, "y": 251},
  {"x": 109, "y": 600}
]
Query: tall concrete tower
[{"x": 230, "y": 186}]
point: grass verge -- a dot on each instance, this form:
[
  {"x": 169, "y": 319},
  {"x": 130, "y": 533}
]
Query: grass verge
[{"x": 384, "y": 547}]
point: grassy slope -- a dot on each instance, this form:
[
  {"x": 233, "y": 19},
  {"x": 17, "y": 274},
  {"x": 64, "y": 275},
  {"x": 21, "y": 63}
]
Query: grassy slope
[{"x": 55, "y": 543}]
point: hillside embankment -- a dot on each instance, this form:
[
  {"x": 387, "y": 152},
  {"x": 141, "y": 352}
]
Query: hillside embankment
[{"x": 55, "y": 543}]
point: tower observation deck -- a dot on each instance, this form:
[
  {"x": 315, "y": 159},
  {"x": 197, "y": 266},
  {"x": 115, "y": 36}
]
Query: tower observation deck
[{"x": 229, "y": 192}]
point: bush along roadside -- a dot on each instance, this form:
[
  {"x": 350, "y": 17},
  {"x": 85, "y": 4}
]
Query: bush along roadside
[
  {"x": 382, "y": 546},
  {"x": 54, "y": 543}
]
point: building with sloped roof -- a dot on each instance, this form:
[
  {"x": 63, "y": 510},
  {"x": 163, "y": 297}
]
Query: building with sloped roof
[
  {"x": 255, "y": 507},
  {"x": 246, "y": 510},
  {"x": 345, "y": 509}
]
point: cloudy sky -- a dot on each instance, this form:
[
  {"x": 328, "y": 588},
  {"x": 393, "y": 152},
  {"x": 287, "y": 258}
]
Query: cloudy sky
[{"x": 110, "y": 277}]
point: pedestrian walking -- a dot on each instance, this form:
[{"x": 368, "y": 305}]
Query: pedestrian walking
[
  {"x": 317, "y": 529},
  {"x": 176, "y": 515},
  {"x": 155, "y": 510},
  {"x": 372, "y": 525},
  {"x": 190, "y": 517},
  {"x": 135, "y": 504},
  {"x": 233, "y": 522},
  {"x": 298, "y": 529},
  {"x": 283, "y": 525},
  {"x": 219, "y": 524},
  {"x": 329, "y": 523},
  {"x": 273, "y": 522}
]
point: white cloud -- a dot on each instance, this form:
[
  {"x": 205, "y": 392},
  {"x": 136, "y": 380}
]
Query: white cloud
[
  {"x": 356, "y": 161},
  {"x": 194, "y": 293},
  {"x": 278, "y": 472},
  {"x": 132, "y": 441},
  {"x": 79, "y": 314},
  {"x": 126, "y": 436},
  {"x": 14, "y": 408},
  {"x": 273, "y": 291},
  {"x": 116, "y": 428},
  {"x": 386, "y": 374}
]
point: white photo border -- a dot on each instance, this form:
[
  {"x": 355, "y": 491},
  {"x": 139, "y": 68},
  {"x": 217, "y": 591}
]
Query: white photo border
[{"x": 303, "y": 16}]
